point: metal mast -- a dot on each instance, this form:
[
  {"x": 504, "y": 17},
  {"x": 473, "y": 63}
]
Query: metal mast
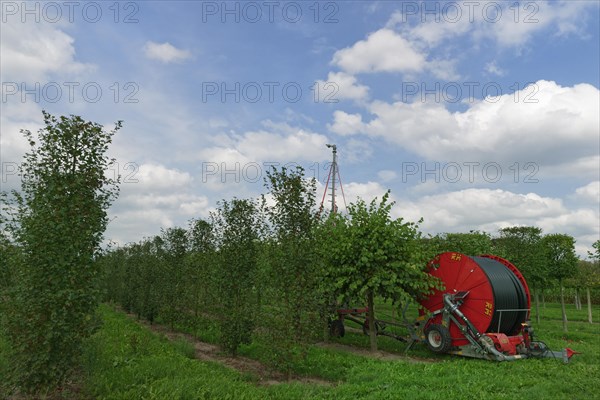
[{"x": 333, "y": 175}]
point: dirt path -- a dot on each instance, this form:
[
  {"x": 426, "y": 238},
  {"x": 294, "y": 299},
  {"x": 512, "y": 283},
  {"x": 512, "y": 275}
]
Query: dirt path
[
  {"x": 210, "y": 352},
  {"x": 265, "y": 375},
  {"x": 379, "y": 355}
]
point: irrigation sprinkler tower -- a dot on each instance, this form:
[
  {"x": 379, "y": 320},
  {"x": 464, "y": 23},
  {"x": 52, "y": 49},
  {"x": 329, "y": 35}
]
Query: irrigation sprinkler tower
[{"x": 334, "y": 173}]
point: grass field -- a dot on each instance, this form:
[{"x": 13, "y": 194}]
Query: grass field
[{"x": 126, "y": 360}]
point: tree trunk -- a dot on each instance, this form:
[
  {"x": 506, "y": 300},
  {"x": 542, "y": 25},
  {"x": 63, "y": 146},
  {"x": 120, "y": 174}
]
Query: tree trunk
[
  {"x": 543, "y": 300},
  {"x": 537, "y": 305},
  {"x": 562, "y": 305},
  {"x": 371, "y": 319},
  {"x": 577, "y": 303},
  {"x": 589, "y": 301}
]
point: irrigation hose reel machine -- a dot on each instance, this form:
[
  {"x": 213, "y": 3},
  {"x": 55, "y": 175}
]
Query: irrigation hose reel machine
[{"x": 482, "y": 312}]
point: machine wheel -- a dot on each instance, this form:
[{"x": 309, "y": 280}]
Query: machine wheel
[
  {"x": 438, "y": 338},
  {"x": 336, "y": 328}
]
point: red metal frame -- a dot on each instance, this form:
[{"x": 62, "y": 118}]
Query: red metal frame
[{"x": 460, "y": 272}]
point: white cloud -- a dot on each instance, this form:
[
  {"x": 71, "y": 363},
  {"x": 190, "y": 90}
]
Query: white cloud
[
  {"x": 247, "y": 157},
  {"x": 34, "y": 52},
  {"x": 135, "y": 216},
  {"x": 382, "y": 51},
  {"x": 428, "y": 33},
  {"x": 563, "y": 17},
  {"x": 154, "y": 197},
  {"x": 514, "y": 27},
  {"x": 365, "y": 191},
  {"x": 463, "y": 209},
  {"x": 589, "y": 193},
  {"x": 156, "y": 176},
  {"x": 278, "y": 142},
  {"x": 493, "y": 69},
  {"x": 346, "y": 124},
  {"x": 341, "y": 86},
  {"x": 491, "y": 210},
  {"x": 443, "y": 69},
  {"x": 165, "y": 52},
  {"x": 387, "y": 175},
  {"x": 355, "y": 152},
  {"x": 561, "y": 126}
]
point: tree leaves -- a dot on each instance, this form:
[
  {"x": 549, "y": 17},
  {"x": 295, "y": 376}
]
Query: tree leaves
[
  {"x": 236, "y": 231},
  {"x": 371, "y": 254},
  {"x": 57, "y": 225}
]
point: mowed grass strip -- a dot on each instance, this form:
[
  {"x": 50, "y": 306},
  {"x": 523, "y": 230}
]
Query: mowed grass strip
[{"x": 125, "y": 360}]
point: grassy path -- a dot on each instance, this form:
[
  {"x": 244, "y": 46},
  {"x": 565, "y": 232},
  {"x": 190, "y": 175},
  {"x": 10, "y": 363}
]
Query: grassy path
[{"x": 127, "y": 360}]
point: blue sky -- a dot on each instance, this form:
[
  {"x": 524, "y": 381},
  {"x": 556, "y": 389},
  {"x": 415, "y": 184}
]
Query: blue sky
[{"x": 476, "y": 115}]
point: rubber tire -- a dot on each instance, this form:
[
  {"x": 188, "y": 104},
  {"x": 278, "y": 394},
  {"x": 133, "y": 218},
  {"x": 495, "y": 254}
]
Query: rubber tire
[
  {"x": 445, "y": 341},
  {"x": 336, "y": 328}
]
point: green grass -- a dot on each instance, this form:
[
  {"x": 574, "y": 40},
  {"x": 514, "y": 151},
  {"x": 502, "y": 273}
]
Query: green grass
[{"x": 125, "y": 360}]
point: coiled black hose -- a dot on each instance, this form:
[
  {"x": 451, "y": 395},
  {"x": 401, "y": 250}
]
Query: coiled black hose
[{"x": 509, "y": 294}]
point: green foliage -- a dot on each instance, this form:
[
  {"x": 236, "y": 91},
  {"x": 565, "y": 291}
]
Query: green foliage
[
  {"x": 371, "y": 254},
  {"x": 559, "y": 254},
  {"x": 292, "y": 267},
  {"x": 175, "y": 245},
  {"x": 8, "y": 252},
  {"x": 200, "y": 265},
  {"x": 586, "y": 275},
  {"x": 473, "y": 243},
  {"x": 58, "y": 221},
  {"x": 595, "y": 255},
  {"x": 559, "y": 251},
  {"x": 522, "y": 245},
  {"x": 236, "y": 229}
]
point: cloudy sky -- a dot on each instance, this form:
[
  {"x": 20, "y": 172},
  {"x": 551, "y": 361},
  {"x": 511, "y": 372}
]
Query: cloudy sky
[{"x": 477, "y": 115}]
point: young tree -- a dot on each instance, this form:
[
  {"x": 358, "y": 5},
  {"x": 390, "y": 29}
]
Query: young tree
[
  {"x": 561, "y": 261},
  {"x": 176, "y": 246},
  {"x": 522, "y": 246},
  {"x": 371, "y": 254},
  {"x": 587, "y": 277},
  {"x": 591, "y": 270},
  {"x": 236, "y": 228},
  {"x": 61, "y": 217},
  {"x": 292, "y": 268},
  {"x": 200, "y": 267}
]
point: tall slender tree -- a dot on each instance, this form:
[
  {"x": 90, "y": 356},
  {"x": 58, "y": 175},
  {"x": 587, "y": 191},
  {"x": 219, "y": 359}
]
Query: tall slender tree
[
  {"x": 292, "y": 269},
  {"x": 236, "y": 227},
  {"x": 60, "y": 220},
  {"x": 561, "y": 260}
]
